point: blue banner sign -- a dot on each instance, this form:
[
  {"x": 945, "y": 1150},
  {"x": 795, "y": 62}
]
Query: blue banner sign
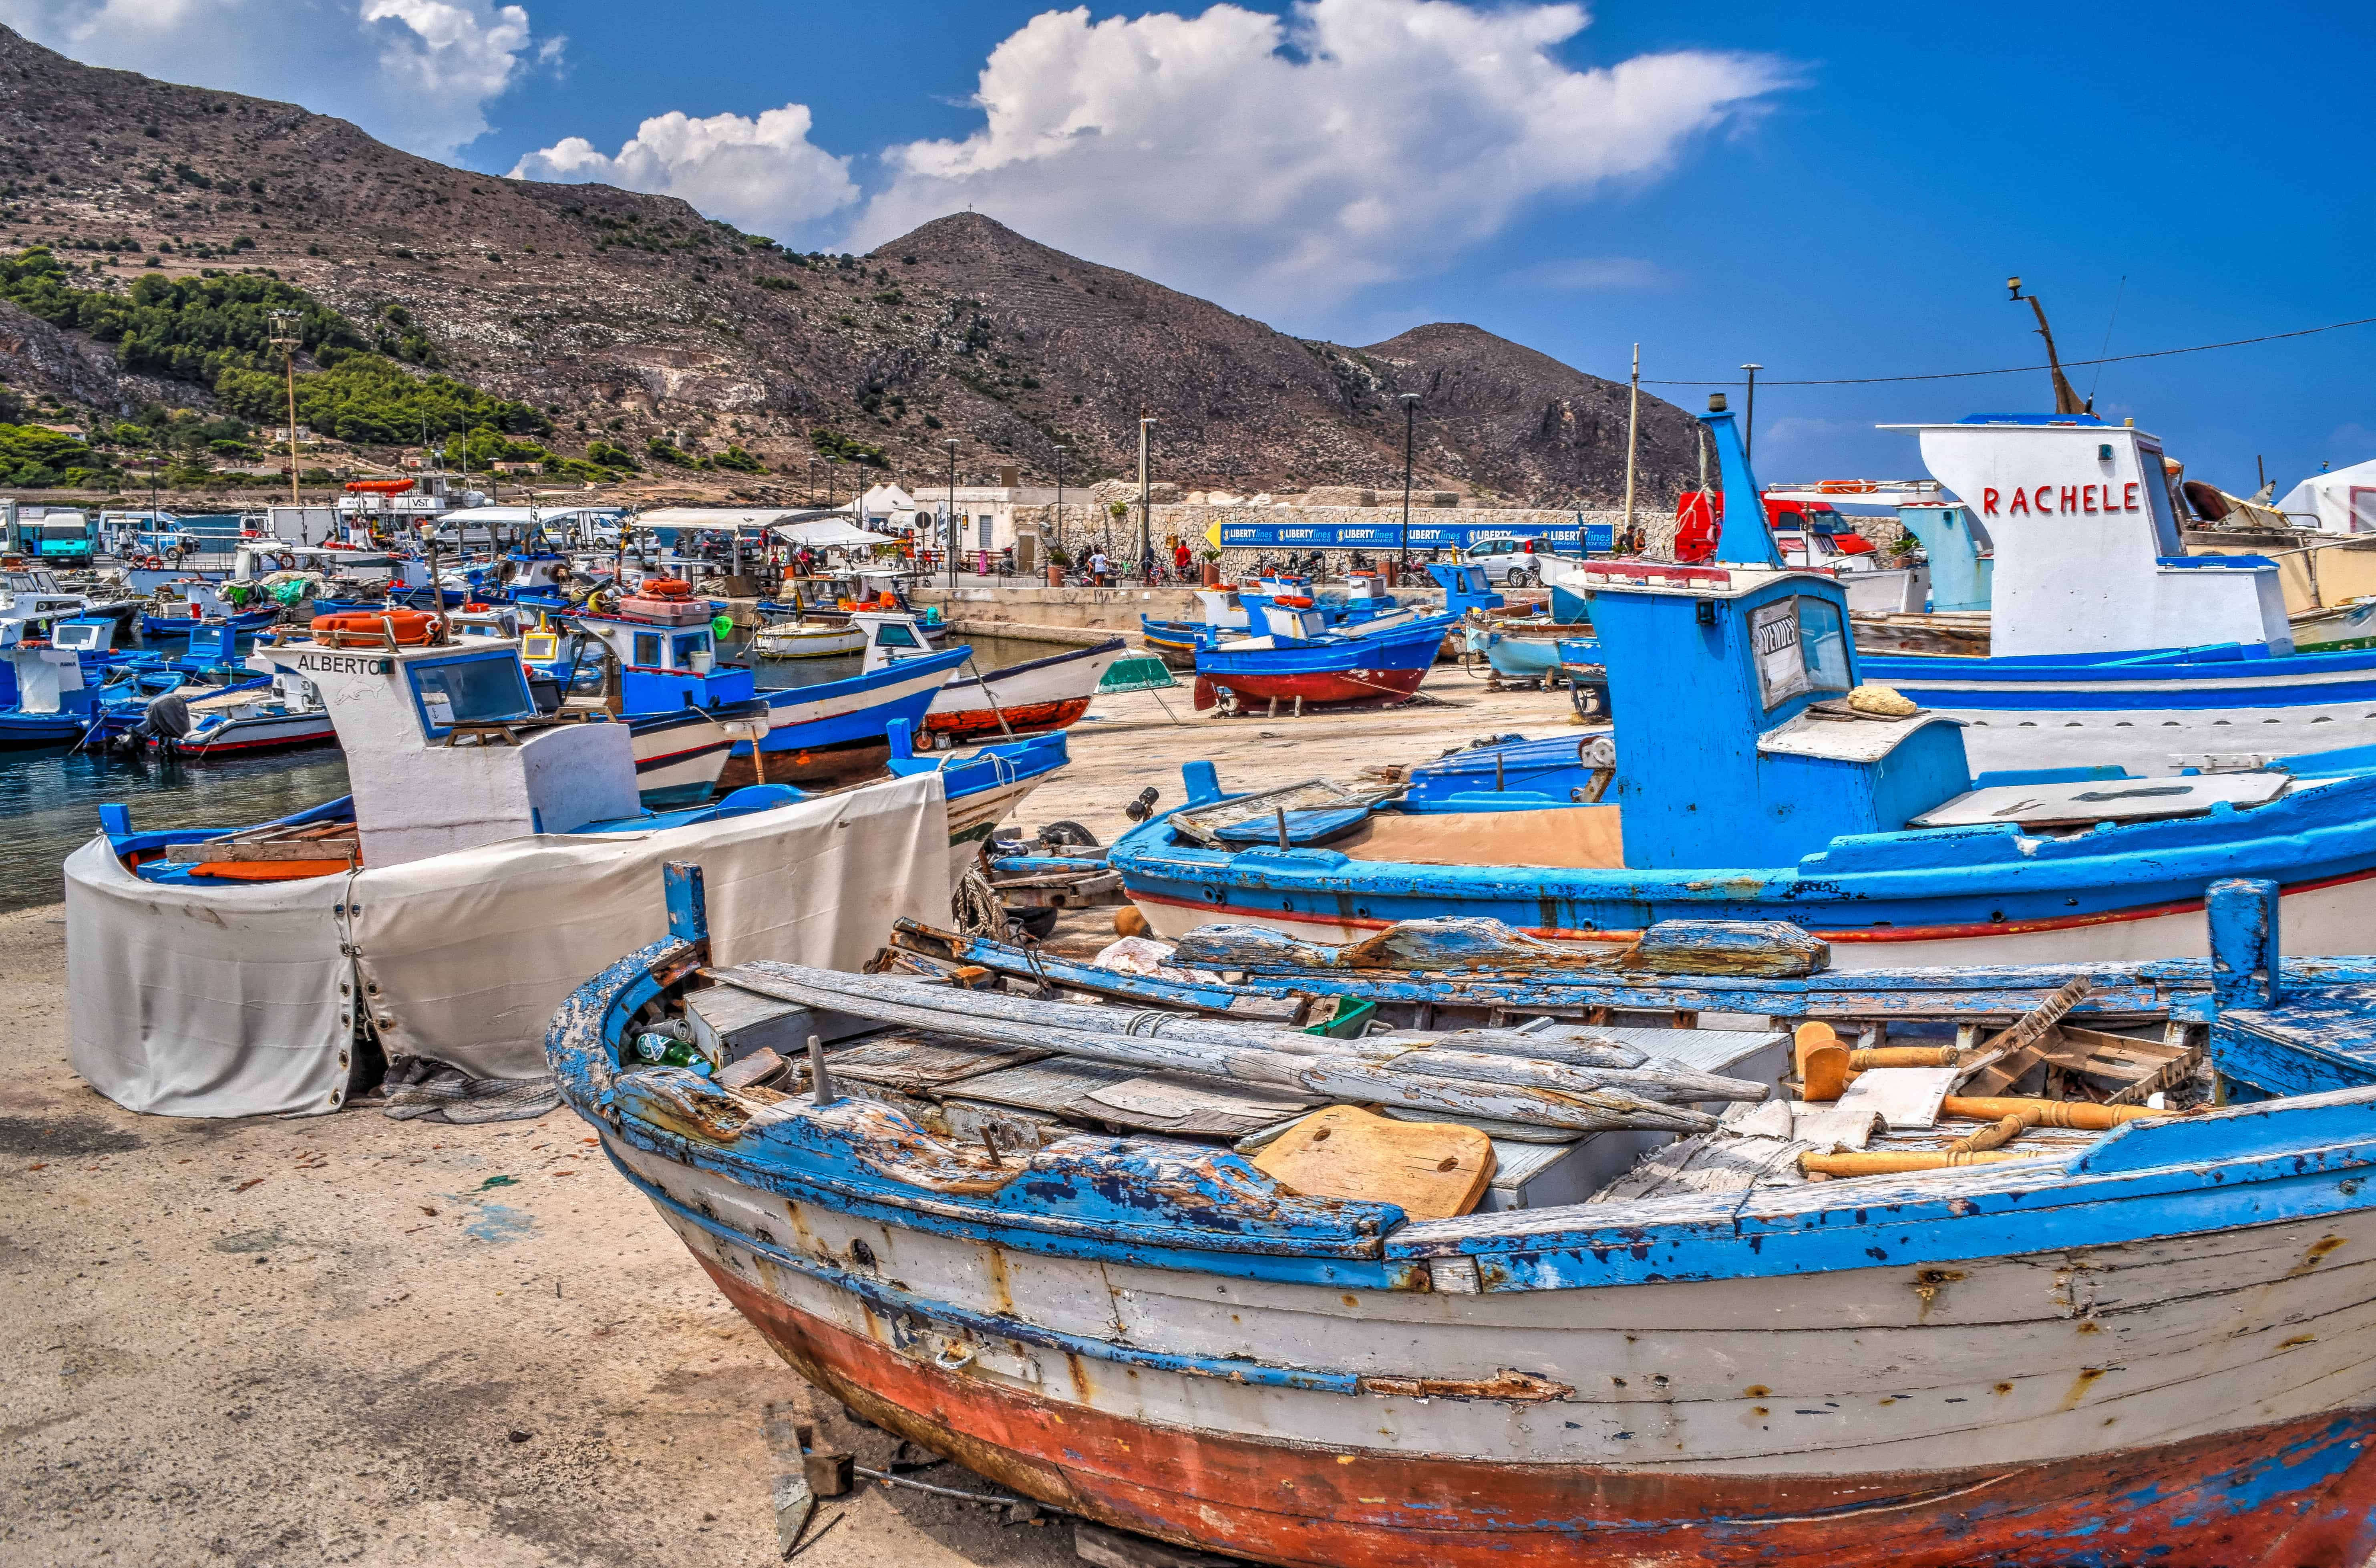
[{"x": 1562, "y": 537}]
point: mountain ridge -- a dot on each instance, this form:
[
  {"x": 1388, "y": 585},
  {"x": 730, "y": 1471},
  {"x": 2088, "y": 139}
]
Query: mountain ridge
[{"x": 625, "y": 317}]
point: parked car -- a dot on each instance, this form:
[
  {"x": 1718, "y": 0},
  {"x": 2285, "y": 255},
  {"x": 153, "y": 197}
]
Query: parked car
[{"x": 1509, "y": 561}]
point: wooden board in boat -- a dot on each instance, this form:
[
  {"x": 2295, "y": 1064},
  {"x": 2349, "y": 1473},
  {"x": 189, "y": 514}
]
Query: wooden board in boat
[
  {"x": 1428, "y": 1170},
  {"x": 1574, "y": 838},
  {"x": 920, "y": 1060}
]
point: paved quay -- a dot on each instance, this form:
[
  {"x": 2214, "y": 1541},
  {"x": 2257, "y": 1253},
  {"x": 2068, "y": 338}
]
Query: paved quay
[{"x": 352, "y": 1340}]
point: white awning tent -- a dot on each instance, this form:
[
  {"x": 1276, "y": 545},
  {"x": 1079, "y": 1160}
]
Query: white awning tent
[
  {"x": 821, "y": 533},
  {"x": 2341, "y": 502},
  {"x": 885, "y": 500}
]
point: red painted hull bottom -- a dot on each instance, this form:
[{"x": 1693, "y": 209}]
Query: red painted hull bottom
[
  {"x": 1380, "y": 688},
  {"x": 2297, "y": 1495},
  {"x": 1022, "y": 719}
]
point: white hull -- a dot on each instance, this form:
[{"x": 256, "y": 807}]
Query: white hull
[
  {"x": 2004, "y": 1361},
  {"x": 263, "y": 730},
  {"x": 2154, "y": 740},
  {"x": 807, "y": 641},
  {"x": 1059, "y": 678},
  {"x": 2336, "y": 918}
]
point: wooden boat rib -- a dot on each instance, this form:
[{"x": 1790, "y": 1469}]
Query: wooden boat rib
[{"x": 2160, "y": 1325}]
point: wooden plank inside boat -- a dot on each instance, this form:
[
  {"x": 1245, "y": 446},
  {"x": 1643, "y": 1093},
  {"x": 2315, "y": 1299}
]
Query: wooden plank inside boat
[
  {"x": 1428, "y": 1170},
  {"x": 920, "y": 1060},
  {"x": 1569, "y": 838}
]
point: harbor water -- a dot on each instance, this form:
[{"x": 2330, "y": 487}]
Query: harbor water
[{"x": 50, "y": 798}]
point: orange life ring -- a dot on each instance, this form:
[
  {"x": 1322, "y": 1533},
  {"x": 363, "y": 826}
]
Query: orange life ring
[
  {"x": 1292, "y": 601},
  {"x": 413, "y": 628},
  {"x": 665, "y": 587},
  {"x": 475, "y": 609},
  {"x": 152, "y": 562},
  {"x": 1847, "y": 487}
]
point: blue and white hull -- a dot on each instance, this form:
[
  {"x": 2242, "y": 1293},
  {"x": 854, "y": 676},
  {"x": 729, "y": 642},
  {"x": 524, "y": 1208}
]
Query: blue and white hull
[{"x": 2148, "y": 713}]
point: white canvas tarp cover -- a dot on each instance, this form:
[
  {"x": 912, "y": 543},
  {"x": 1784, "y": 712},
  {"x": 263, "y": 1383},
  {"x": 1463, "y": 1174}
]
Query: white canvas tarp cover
[
  {"x": 227, "y": 1001},
  {"x": 829, "y": 531},
  {"x": 2341, "y": 502}
]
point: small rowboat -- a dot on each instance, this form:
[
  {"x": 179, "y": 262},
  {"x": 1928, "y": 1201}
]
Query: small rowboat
[
  {"x": 1024, "y": 699},
  {"x": 807, "y": 639}
]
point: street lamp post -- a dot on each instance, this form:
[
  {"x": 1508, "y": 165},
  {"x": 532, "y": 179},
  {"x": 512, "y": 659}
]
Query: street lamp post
[
  {"x": 1058, "y": 541},
  {"x": 1411, "y": 423},
  {"x": 952, "y": 539},
  {"x": 1145, "y": 519}
]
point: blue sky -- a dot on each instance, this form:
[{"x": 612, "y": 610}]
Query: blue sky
[{"x": 1832, "y": 191}]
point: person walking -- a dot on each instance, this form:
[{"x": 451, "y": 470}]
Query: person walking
[
  {"x": 1098, "y": 569},
  {"x": 1181, "y": 558}
]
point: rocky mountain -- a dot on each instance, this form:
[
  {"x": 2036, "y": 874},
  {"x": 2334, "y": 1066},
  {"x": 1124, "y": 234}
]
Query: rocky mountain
[{"x": 625, "y": 317}]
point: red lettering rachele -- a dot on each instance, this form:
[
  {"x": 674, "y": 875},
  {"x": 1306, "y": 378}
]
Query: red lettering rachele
[
  {"x": 2070, "y": 498},
  {"x": 2128, "y": 498},
  {"x": 1989, "y": 502},
  {"x": 2087, "y": 498},
  {"x": 2043, "y": 509},
  {"x": 2020, "y": 503}
]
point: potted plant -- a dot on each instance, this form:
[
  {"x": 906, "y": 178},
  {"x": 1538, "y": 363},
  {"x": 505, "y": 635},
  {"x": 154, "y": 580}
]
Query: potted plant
[
  {"x": 1059, "y": 562},
  {"x": 1212, "y": 559}
]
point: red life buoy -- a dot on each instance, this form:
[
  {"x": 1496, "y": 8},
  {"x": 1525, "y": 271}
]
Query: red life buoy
[
  {"x": 1292, "y": 601},
  {"x": 475, "y": 609},
  {"x": 152, "y": 564},
  {"x": 665, "y": 587}
]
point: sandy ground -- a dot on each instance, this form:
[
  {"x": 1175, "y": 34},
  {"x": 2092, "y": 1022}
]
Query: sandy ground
[{"x": 347, "y": 1339}]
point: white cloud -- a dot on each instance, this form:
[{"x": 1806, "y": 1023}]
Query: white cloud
[
  {"x": 1270, "y": 159},
  {"x": 1592, "y": 272},
  {"x": 762, "y": 175},
  {"x": 419, "y": 74}
]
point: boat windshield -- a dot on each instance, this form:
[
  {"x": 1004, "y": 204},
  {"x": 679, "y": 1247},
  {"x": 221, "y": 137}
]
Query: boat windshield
[
  {"x": 1801, "y": 645},
  {"x": 481, "y": 690}
]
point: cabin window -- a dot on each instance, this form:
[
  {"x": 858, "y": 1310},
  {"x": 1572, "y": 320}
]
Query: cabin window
[
  {"x": 648, "y": 651},
  {"x": 1800, "y": 645},
  {"x": 541, "y": 646},
  {"x": 690, "y": 645},
  {"x": 896, "y": 633},
  {"x": 469, "y": 691}
]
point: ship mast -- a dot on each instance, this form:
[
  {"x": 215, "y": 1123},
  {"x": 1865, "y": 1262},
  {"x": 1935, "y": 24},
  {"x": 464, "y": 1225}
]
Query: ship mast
[{"x": 2066, "y": 399}]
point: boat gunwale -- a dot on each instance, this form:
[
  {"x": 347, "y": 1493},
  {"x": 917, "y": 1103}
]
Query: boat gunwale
[{"x": 1951, "y": 1215}]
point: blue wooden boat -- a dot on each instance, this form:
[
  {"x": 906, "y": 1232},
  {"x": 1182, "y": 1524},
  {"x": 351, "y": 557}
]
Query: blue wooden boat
[
  {"x": 2140, "y": 1346},
  {"x": 1744, "y": 786},
  {"x": 1299, "y": 662},
  {"x": 185, "y": 625},
  {"x": 55, "y": 683},
  {"x": 697, "y": 718}
]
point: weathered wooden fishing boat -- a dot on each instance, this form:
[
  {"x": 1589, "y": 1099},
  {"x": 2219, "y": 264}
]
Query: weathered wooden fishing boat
[
  {"x": 2146, "y": 1345},
  {"x": 1745, "y": 783}
]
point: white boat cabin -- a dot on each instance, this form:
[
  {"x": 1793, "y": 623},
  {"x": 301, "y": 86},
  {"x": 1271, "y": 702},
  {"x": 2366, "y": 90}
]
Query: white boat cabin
[
  {"x": 2088, "y": 559},
  {"x": 446, "y": 750}
]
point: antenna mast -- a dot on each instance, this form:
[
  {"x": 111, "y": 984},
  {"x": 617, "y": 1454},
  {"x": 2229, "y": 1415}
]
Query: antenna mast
[{"x": 2066, "y": 399}]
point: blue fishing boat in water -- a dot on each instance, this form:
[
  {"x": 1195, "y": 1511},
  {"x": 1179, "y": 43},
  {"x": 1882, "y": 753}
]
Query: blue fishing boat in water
[
  {"x": 698, "y": 719},
  {"x": 1095, "y": 1248}
]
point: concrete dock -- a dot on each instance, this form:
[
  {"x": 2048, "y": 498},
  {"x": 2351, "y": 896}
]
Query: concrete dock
[{"x": 355, "y": 1341}]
